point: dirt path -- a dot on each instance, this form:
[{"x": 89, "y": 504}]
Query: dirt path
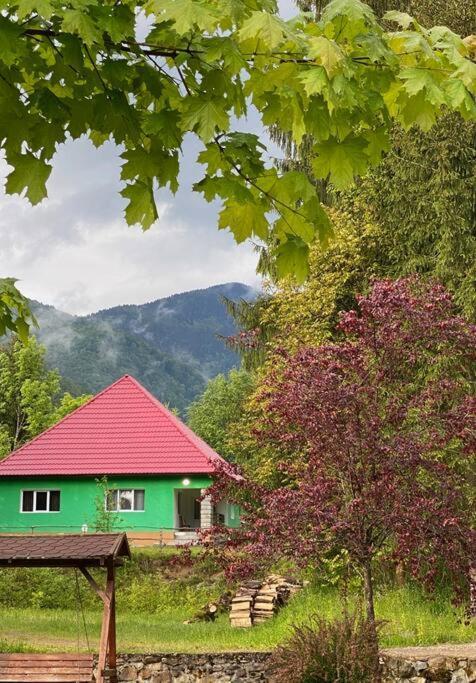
[{"x": 465, "y": 651}]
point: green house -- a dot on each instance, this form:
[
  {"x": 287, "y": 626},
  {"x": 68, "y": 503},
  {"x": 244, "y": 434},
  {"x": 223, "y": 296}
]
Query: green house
[{"x": 122, "y": 459}]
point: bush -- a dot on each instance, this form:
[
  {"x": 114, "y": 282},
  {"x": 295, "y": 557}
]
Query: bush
[
  {"x": 340, "y": 651},
  {"x": 155, "y": 580}
]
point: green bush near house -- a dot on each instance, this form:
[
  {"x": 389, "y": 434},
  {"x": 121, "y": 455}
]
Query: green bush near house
[{"x": 153, "y": 581}]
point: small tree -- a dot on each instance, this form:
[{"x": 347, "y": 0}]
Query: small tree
[
  {"x": 105, "y": 520},
  {"x": 379, "y": 431}
]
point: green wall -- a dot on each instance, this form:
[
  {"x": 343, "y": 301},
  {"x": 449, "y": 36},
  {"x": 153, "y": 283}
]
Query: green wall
[{"x": 78, "y": 503}]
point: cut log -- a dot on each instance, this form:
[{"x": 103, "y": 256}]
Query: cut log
[
  {"x": 251, "y": 584},
  {"x": 242, "y": 604},
  {"x": 206, "y": 613},
  {"x": 242, "y": 623}
]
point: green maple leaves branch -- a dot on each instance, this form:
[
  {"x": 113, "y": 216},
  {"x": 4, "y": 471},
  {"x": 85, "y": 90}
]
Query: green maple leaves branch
[
  {"x": 15, "y": 313},
  {"x": 78, "y": 69}
]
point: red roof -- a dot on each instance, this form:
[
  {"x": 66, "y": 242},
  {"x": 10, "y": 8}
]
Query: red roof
[{"x": 122, "y": 430}]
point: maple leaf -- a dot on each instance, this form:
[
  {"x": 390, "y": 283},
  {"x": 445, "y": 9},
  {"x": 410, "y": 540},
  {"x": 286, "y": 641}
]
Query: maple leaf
[
  {"x": 401, "y": 18},
  {"x": 141, "y": 208},
  {"x": 244, "y": 220},
  {"x": 205, "y": 117},
  {"x": 72, "y": 51},
  {"x": 292, "y": 259},
  {"x": 417, "y": 110},
  {"x": 30, "y": 174},
  {"x": 186, "y": 14},
  {"x": 466, "y": 71},
  {"x": 15, "y": 313},
  {"x": 265, "y": 27},
  {"x": 326, "y": 53},
  {"x": 378, "y": 141},
  {"x": 459, "y": 96},
  {"x": 9, "y": 36},
  {"x": 417, "y": 80},
  {"x": 78, "y": 21},
  {"x": 353, "y": 10},
  {"x": 315, "y": 80},
  {"x": 340, "y": 161},
  {"x": 43, "y": 7}
]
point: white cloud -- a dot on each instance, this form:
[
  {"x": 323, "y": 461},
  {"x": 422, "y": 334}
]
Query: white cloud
[{"x": 76, "y": 252}]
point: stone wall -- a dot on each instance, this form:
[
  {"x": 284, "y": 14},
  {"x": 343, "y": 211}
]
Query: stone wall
[
  {"x": 187, "y": 668},
  {"x": 439, "y": 664}
]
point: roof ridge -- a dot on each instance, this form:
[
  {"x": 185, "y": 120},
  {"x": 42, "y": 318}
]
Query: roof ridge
[
  {"x": 63, "y": 419},
  {"x": 181, "y": 426}
]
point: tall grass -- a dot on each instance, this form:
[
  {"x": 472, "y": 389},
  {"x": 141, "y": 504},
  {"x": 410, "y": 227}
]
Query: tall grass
[{"x": 412, "y": 619}]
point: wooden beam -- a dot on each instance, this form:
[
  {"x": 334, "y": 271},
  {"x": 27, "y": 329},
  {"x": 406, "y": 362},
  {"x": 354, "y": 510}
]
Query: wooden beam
[{"x": 94, "y": 585}]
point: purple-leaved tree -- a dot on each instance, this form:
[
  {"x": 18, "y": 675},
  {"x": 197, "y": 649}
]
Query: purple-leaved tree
[{"x": 378, "y": 431}]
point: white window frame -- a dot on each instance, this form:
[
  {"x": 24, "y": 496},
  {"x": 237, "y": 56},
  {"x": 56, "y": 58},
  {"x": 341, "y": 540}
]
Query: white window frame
[
  {"x": 48, "y": 498},
  {"x": 117, "y": 508}
]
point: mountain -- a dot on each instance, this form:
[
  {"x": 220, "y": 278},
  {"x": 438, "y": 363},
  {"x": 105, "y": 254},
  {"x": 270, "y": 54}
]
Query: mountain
[
  {"x": 187, "y": 326},
  {"x": 171, "y": 345}
]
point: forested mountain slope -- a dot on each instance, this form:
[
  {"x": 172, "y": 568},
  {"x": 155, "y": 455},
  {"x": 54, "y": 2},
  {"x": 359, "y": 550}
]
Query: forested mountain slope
[{"x": 171, "y": 345}]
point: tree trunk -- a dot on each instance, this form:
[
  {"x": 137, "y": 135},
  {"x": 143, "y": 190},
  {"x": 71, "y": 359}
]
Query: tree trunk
[
  {"x": 369, "y": 592},
  {"x": 370, "y": 610},
  {"x": 472, "y": 593},
  {"x": 400, "y": 575}
]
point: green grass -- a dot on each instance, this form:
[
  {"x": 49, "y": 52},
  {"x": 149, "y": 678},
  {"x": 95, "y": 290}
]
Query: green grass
[{"x": 413, "y": 619}]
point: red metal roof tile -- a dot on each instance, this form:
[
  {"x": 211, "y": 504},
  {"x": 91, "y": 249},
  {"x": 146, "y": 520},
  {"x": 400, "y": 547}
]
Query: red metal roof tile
[{"x": 122, "y": 430}]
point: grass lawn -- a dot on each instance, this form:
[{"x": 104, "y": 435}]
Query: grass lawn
[{"x": 412, "y": 620}]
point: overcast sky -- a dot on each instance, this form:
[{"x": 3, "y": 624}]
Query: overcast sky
[{"x": 75, "y": 251}]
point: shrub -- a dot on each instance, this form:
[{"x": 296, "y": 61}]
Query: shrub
[
  {"x": 339, "y": 651},
  {"x": 155, "y": 580}
]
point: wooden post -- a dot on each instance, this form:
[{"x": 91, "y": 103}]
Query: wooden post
[
  {"x": 112, "y": 624},
  {"x": 103, "y": 642},
  {"x": 107, "y": 642}
]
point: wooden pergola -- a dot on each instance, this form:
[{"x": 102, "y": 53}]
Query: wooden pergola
[{"x": 83, "y": 552}]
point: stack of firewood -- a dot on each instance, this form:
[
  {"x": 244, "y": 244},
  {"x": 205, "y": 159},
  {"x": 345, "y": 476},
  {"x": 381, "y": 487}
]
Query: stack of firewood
[
  {"x": 256, "y": 601},
  {"x": 241, "y": 613}
]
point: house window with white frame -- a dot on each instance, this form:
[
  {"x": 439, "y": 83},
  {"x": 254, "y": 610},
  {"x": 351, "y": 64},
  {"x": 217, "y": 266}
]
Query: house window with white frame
[
  {"x": 125, "y": 500},
  {"x": 40, "y": 500}
]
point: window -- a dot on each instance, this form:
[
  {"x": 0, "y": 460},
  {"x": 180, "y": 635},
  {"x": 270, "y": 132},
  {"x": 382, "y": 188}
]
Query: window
[
  {"x": 125, "y": 500},
  {"x": 40, "y": 501}
]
